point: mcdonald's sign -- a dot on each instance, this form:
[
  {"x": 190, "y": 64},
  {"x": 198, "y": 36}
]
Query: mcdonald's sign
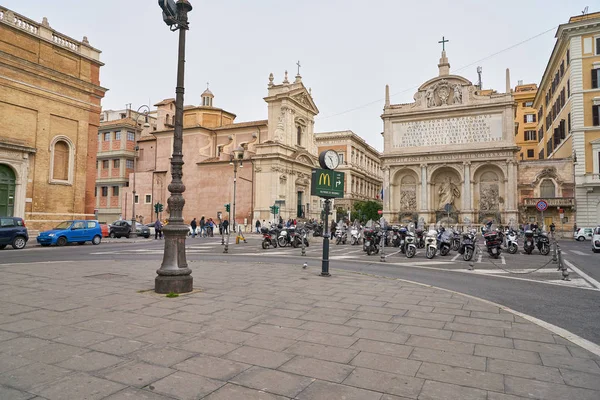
[{"x": 327, "y": 183}]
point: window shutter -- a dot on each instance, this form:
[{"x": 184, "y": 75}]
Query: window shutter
[
  {"x": 525, "y": 118},
  {"x": 594, "y": 79},
  {"x": 595, "y": 116}
]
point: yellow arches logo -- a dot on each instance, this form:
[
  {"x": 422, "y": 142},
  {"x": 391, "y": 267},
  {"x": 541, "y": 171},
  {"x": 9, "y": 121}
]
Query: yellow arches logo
[{"x": 324, "y": 179}]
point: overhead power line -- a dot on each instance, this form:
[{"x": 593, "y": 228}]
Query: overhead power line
[{"x": 456, "y": 70}]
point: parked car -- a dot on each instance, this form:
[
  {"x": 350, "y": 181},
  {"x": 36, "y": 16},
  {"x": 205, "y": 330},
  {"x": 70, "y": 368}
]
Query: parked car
[
  {"x": 596, "y": 240},
  {"x": 583, "y": 234},
  {"x": 122, "y": 228},
  {"x": 75, "y": 231},
  {"x": 14, "y": 232},
  {"x": 151, "y": 228}
]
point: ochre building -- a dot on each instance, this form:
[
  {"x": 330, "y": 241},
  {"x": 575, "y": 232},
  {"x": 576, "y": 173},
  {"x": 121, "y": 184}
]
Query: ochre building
[{"x": 49, "y": 115}]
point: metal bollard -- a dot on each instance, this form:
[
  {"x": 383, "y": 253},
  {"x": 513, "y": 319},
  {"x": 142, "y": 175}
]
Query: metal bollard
[
  {"x": 554, "y": 253},
  {"x": 226, "y": 249},
  {"x": 303, "y": 246},
  {"x": 562, "y": 267}
]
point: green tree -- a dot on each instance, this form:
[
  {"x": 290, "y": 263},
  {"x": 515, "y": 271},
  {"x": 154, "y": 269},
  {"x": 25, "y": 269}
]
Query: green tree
[{"x": 366, "y": 210}]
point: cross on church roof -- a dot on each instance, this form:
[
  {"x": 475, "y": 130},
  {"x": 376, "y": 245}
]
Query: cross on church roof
[
  {"x": 207, "y": 85},
  {"x": 443, "y": 42},
  {"x": 298, "y": 64}
]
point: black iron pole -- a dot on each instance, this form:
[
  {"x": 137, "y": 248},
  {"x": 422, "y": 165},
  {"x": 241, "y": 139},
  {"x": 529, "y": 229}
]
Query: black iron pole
[
  {"x": 326, "y": 233},
  {"x": 174, "y": 276}
]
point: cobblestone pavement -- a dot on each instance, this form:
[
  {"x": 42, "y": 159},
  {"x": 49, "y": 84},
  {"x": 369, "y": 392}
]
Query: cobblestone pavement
[{"x": 261, "y": 331}]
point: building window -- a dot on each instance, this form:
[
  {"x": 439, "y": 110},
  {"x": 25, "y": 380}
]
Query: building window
[
  {"x": 529, "y": 153},
  {"x": 116, "y": 163},
  {"x": 137, "y": 199},
  {"x": 130, "y": 136},
  {"x": 529, "y": 135},
  {"x": 95, "y": 191},
  {"x": 541, "y": 154},
  {"x": 104, "y": 164},
  {"x": 115, "y": 191},
  {"x": 596, "y": 115},
  {"x": 129, "y": 164},
  {"x": 107, "y": 136},
  {"x": 341, "y": 156},
  {"x": 569, "y": 123},
  {"x": 549, "y": 147},
  {"x": 148, "y": 199},
  {"x": 299, "y": 135},
  {"x": 595, "y": 78},
  {"x": 104, "y": 191},
  {"x": 527, "y": 118},
  {"x": 598, "y": 46},
  {"x": 528, "y": 104},
  {"x": 123, "y": 115},
  {"x": 117, "y": 135},
  {"x": 547, "y": 189},
  {"x": 568, "y": 57},
  {"x": 568, "y": 88}
]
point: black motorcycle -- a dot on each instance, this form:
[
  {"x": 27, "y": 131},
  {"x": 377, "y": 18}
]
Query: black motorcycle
[
  {"x": 543, "y": 243},
  {"x": 493, "y": 243},
  {"x": 455, "y": 240},
  {"x": 269, "y": 237},
  {"x": 529, "y": 242},
  {"x": 317, "y": 230},
  {"x": 467, "y": 246},
  {"x": 402, "y": 232},
  {"x": 372, "y": 241},
  {"x": 443, "y": 242},
  {"x": 419, "y": 239}
]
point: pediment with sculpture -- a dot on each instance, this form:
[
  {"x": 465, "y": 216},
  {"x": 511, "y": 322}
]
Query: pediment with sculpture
[{"x": 451, "y": 90}]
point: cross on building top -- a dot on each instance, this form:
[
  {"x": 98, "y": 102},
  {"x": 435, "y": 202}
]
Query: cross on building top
[
  {"x": 443, "y": 42},
  {"x": 298, "y": 64}
]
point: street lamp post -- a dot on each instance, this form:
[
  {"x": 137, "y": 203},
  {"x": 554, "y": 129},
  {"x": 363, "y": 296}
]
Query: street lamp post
[
  {"x": 133, "y": 232},
  {"x": 174, "y": 276},
  {"x": 238, "y": 155}
]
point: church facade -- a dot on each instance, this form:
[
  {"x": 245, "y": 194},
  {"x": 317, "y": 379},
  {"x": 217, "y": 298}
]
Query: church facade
[{"x": 450, "y": 156}]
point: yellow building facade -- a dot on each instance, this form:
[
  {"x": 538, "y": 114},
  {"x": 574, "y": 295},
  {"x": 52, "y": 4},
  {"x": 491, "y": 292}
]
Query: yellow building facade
[
  {"x": 526, "y": 121},
  {"x": 49, "y": 115},
  {"x": 568, "y": 110}
]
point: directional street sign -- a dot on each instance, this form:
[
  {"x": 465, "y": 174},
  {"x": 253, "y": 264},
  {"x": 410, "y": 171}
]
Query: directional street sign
[
  {"x": 327, "y": 183},
  {"x": 541, "y": 205}
]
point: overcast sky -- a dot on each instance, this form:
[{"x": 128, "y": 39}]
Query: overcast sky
[{"x": 349, "y": 49}]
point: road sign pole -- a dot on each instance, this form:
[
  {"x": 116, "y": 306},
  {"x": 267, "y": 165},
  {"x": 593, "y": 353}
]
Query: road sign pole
[{"x": 326, "y": 233}]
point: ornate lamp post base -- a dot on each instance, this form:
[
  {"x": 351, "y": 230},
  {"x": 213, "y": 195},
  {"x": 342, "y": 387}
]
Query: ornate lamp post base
[
  {"x": 174, "y": 276},
  {"x": 164, "y": 284}
]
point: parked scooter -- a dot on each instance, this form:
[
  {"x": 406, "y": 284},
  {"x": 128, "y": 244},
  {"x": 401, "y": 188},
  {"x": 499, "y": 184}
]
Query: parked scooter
[
  {"x": 444, "y": 241},
  {"x": 301, "y": 235},
  {"x": 420, "y": 238},
  {"x": 269, "y": 237},
  {"x": 411, "y": 247},
  {"x": 493, "y": 242},
  {"x": 372, "y": 240},
  {"x": 455, "y": 240},
  {"x": 512, "y": 244},
  {"x": 341, "y": 234},
  {"x": 431, "y": 243},
  {"x": 467, "y": 246},
  {"x": 402, "y": 234},
  {"x": 528, "y": 243},
  {"x": 285, "y": 236},
  {"x": 543, "y": 243},
  {"x": 355, "y": 234}
]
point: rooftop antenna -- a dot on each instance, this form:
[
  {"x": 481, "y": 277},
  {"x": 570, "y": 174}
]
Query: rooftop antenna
[
  {"x": 585, "y": 11},
  {"x": 479, "y": 83}
]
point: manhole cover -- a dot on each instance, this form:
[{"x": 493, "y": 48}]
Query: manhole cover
[{"x": 106, "y": 276}]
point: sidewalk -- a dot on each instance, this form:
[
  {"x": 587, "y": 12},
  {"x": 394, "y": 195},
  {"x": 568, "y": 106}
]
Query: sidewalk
[{"x": 268, "y": 332}]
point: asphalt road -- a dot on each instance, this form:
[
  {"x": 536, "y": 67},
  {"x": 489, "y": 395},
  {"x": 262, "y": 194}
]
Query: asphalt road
[{"x": 569, "y": 307}]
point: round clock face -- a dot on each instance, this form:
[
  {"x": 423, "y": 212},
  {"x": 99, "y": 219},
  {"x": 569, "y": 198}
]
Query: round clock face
[{"x": 331, "y": 159}]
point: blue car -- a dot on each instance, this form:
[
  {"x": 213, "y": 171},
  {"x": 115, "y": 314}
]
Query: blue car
[{"x": 77, "y": 231}]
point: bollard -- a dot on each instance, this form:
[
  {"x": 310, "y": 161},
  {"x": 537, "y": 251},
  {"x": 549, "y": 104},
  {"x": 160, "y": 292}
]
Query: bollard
[
  {"x": 554, "y": 254},
  {"x": 226, "y": 249},
  {"x": 561, "y": 266},
  {"x": 382, "y": 256}
]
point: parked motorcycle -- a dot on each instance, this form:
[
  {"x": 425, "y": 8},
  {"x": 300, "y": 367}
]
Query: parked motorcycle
[
  {"x": 543, "y": 243},
  {"x": 493, "y": 242},
  {"x": 269, "y": 237},
  {"x": 420, "y": 239},
  {"x": 341, "y": 235},
  {"x": 372, "y": 240},
  {"x": 444, "y": 241},
  {"x": 285, "y": 236},
  {"x": 411, "y": 247},
  {"x": 317, "y": 229},
  {"x": 431, "y": 243},
  {"x": 528, "y": 243},
  {"x": 455, "y": 240},
  {"x": 512, "y": 244},
  {"x": 467, "y": 246},
  {"x": 301, "y": 235},
  {"x": 355, "y": 235},
  {"x": 402, "y": 234}
]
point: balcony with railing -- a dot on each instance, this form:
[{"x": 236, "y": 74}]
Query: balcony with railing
[{"x": 552, "y": 201}]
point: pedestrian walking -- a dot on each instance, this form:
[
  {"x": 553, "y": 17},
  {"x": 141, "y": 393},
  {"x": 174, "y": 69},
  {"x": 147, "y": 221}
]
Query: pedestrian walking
[
  {"x": 257, "y": 226},
  {"x": 211, "y": 227},
  {"x": 202, "y": 227},
  {"x": 194, "y": 225},
  {"x": 158, "y": 229},
  {"x": 225, "y": 227}
]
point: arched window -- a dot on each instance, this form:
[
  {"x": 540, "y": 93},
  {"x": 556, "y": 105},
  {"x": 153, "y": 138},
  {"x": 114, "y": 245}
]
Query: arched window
[
  {"x": 547, "y": 189},
  {"x": 62, "y": 159}
]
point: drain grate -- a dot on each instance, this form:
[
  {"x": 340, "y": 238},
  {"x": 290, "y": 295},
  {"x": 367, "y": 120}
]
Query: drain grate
[{"x": 106, "y": 277}]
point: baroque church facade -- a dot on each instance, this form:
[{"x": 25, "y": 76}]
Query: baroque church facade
[
  {"x": 450, "y": 156},
  {"x": 278, "y": 155}
]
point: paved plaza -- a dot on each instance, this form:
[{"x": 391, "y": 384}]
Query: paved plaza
[{"x": 255, "y": 330}]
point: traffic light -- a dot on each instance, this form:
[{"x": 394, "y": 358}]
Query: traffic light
[
  {"x": 274, "y": 209},
  {"x": 158, "y": 208},
  {"x": 227, "y": 207}
]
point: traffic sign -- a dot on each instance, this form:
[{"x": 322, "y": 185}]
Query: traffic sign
[
  {"x": 541, "y": 205},
  {"x": 327, "y": 184},
  {"x": 379, "y": 212}
]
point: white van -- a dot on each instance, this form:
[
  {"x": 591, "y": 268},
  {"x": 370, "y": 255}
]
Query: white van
[
  {"x": 583, "y": 234},
  {"x": 596, "y": 240}
]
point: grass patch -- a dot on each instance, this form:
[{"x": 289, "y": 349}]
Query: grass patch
[{"x": 172, "y": 294}]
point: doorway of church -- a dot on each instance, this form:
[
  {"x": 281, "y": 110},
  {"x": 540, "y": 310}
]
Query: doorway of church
[
  {"x": 7, "y": 191},
  {"x": 300, "y": 207}
]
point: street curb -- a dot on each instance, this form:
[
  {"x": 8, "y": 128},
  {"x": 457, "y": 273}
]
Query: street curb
[{"x": 579, "y": 341}]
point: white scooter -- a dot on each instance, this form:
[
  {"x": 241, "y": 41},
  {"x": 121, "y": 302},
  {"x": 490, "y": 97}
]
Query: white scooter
[
  {"x": 512, "y": 244},
  {"x": 355, "y": 235},
  {"x": 431, "y": 243}
]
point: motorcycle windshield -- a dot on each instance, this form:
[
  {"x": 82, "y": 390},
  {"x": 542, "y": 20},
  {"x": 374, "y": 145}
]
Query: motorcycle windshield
[{"x": 446, "y": 235}]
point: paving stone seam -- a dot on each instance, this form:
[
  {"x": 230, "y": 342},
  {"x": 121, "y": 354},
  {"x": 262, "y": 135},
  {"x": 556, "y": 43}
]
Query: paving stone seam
[{"x": 581, "y": 342}]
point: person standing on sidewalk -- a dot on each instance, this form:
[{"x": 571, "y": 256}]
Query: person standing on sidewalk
[
  {"x": 194, "y": 225},
  {"x": 225, "y": 227},
  {"x": 202, "y": 227},
  {"x": 158, "y": 229}
]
